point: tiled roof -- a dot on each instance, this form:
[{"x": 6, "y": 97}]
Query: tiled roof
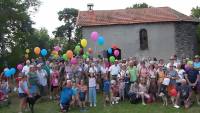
[{"x": 131, "y": 16}]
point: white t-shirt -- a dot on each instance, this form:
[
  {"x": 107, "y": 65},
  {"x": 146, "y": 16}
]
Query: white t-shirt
[
  {"x": 92, "y": 70},
  {"x": 104, "y": 70},
  {"x": 42, "y": 74},
  {"x": 92, "y": 82},
  {"x": 181, "y": 73},
  {"x": 114, "y": 69},
  {"x": 25, "y": 69}
]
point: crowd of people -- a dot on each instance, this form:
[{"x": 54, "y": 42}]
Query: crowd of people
[{"x": 175, "y": 82}]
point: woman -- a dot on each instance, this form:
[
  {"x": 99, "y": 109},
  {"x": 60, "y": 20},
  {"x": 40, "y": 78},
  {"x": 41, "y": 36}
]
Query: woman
[
  {"x": 153, "y": 82},
  {"x": 144, "y": 73},
  {"x": 23, "y": 92},
  {"x": 54, "y": 82}
]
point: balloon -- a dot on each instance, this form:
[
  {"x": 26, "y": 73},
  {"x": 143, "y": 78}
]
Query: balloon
[
  {"x": 100, "y": 40},
  {"x": 83, "y": 43},
  {"x": 85, "y": 56},
  {"x": 110, "y": 50},
  {"x": 13, "y": 71},
  {"x": 112, "y": 59},
  {"x": 90, "y": 50},
  {"x": 26, "y": 55},
  {"x": 173, "y": 92},
  {"x": 77, "y": 48},
  {"x": 73, "y": 61},
  {"x": 8, "y": 73},
  {"x": 27, "y": 51},
  {"x": 44, "y": 52},
  {"x": 54, "y": 52},
  {"x": 37, "y": 50},
  {"x": 20, "y": 67},
  {"x": 114, "y": 46},
  {"x": 116, "y": 53},
  {"x": 57, "y": 48},
  {"x": 69, "y": 54},
  {"x": 94, "y": 36},
  {"x": 64, "y": 57}
]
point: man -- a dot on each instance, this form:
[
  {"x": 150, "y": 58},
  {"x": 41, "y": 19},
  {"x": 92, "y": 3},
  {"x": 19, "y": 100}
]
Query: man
[
  {"x": 66, "y": 96},
  {"x": 184, "y": 94},
  {"x": 192, "y": 78},
  {"x": 42, "y": 76},
  {"x": 26, "y": 68},
  {"x": 114, "y": 70}
]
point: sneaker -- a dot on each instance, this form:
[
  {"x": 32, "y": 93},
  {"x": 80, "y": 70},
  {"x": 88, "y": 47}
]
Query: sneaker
[
  {"x": 113, "y": 103},
  {"x": 176, "y": 106},
  {"x": 116, "y": 102},
  {"x": 95, "y": 105},
  {"x": 143, "y": 104},
  {"x": 90, "y": 105}
]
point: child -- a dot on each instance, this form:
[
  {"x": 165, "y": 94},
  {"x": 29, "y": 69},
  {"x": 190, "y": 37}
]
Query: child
[
  {"x": 114, "y": 92},
  {"x": 106, "y": 90},
  {"x": 143, "y": 91},
  {"x": 121, "y": 88},
  {"x": 54, "y": 82},
  {"x": 82, "y": 95},
  {"x": 75, "y": 100},
  {"x": 92, "y": 86},
  {"x": 133, "y": 93}
]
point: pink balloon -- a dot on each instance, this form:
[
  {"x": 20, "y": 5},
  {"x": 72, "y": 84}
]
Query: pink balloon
[
  {"x": 94, "y": 36},
  {"x": 57, "y": 48},
  {"x": 19, "y": 66},
  {"x": 116, "y": 53},
  {"x": 73, "y": 61}
]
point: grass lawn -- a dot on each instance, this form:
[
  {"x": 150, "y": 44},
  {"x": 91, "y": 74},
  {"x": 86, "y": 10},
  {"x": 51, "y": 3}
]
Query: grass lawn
[{"x": 123, "y": 107}]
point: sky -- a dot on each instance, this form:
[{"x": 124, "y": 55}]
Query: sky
[{"x": 47, "y": 17}]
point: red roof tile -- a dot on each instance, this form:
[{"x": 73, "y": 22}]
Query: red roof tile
[{"x": 131, "y": 16}]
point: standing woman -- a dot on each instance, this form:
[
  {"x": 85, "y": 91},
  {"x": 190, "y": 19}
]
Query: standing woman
[
  {"x": 153, "y": 82},
  {"x": 144, "y": 73},
  {"x": 23, "y": 92}
]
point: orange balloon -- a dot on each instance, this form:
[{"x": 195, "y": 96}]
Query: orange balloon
[
  {"x": 90, "y": 50},
  {"x": 37, "y": 50},
  {"x": 69, "y": 54},
  {"x": 54, "y": 52}
]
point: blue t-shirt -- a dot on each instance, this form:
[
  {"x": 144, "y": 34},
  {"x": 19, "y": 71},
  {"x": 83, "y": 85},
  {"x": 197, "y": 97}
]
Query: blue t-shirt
[
  {"x": 66, "y": 95},
  {"x": 196, "y": 64},
  {"x": 192, "y": 75},
  {"x": 23, "y": 87},
  {"x": 106, "y": 86},
  {"x": 75, "y": 91}
]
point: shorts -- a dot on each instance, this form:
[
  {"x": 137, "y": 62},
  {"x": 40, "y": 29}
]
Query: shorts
[
  {"x": 22, "y": 95},
  {"x": 53, "y": 87},
  {"x": 194, "y": 89},
  {"x": 82, "y": 96},
  {"x": 64, "y": 106}
]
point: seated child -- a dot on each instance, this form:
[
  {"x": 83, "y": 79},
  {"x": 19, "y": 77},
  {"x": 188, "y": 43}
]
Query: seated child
[
  {"x": 163, "y": 91},
  {"x": 114, "y": 92},
  {"x": 143, "y": 91}
]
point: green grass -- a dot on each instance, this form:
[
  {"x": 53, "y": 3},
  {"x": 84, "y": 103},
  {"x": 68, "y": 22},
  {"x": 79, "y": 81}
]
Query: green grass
[{"x": 123, "y": 107}]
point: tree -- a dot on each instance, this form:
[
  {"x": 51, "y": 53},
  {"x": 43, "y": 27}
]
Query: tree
[
  {"x": 15, "y": 25},
  {"x": 195, "y": 12},
  {"x": 69, "y": 31},
  {"x": 139, "y": 5}
]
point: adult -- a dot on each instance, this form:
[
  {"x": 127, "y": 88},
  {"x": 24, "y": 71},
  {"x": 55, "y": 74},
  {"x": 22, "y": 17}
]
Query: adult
[
  {"x": 26, "y": 68},
  {"x": 173, "y": 75},
  {"x": 66, "y": 96},
  {"x": 184, "y": 94},
  {"x": 42, "y": 77},
  {"x": 132, "y": 72},
  {"x": 114, "y": 70},
  {"x": 196, "y": 63},
  {"x": 192, "y": 77}
]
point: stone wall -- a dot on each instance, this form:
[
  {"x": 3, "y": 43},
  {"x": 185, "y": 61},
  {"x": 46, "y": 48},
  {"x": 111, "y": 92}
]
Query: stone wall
[{"x": 185, "y": 39}]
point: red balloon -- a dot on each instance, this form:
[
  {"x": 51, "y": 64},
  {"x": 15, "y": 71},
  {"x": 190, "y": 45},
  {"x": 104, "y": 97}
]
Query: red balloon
[{"x": 114, "y": 46}]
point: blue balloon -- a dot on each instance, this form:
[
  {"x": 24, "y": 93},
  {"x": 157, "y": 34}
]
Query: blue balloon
[
  {"x": 13, "y": 71},
  {"x": 43, "y": 52},
  {"x": 8, "y": 73},
  {"x": 101, "y": 40},
  {"x": 110, "y": 50}
]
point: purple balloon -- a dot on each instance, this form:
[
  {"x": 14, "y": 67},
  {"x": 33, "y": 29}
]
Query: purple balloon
[
  {"x": 94, "y": 36},
  {"x": 73, "y": 61},
  {"x": 20, "y": 67},
  {"x": 116, "y": 53},
  {"x": 57, "y": 48}
]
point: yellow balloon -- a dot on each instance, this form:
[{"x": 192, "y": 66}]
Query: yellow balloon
[
  {"x": 83, "y": 43},
  {"x": 27, "y": 51}
]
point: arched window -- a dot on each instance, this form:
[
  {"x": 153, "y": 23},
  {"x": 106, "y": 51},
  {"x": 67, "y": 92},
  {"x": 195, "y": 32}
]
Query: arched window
[{"x": 143, "y": 39}]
